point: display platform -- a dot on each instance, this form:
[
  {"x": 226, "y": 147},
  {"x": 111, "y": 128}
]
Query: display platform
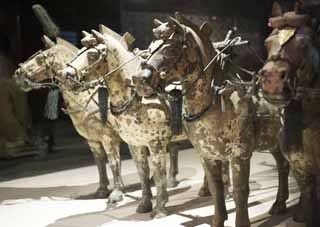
[{"x": 62, "y": 199}]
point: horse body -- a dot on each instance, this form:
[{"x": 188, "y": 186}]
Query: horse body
[
  {"x": 82, "y": 109},
  {"x": 140, "y": 123},
  {"x": 219, "y": 132},
  {"x": 290, "y": 80},
  {"x": 224, "y": 130}
]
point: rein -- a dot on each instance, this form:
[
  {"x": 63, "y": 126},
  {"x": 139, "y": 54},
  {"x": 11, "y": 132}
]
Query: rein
[
  {"x": 100, "y": 80},
  {"x": 237, "y": 41}
]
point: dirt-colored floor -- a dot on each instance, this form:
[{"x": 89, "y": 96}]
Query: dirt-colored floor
[{"x": 56, "y": 192}]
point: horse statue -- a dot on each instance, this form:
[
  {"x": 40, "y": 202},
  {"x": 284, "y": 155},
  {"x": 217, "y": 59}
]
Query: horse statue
[
  {"x": 140, "y": 123},
  {"x": 15, "y": 118},
  {"x": 221, "y": 123},
  {"x": 39, "y": 71},
  {"x": 290, "y": 80}
]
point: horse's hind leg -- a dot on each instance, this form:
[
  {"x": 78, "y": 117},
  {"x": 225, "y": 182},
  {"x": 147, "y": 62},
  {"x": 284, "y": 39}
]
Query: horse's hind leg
[
  {"x": 100, "y": 160},
  {"x": 240, "y": 178},
  {"x": 158, "y": 156},
  {"x": 279, "y": 206},
  {"x": 139, "y": 155},
  {"x": 173, "y": 150}
]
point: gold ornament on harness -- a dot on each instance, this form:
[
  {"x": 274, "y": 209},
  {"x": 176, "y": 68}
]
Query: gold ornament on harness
[{"x": 286, "y": 34}]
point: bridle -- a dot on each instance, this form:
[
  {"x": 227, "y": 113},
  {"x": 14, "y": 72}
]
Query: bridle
[
  {"x": 291, "y": 79},
  {"x": 203, "y": 68},
  {"x": 48, "y": 64}
]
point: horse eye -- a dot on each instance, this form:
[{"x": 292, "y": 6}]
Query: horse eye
[{"x": 40, "y": 59}]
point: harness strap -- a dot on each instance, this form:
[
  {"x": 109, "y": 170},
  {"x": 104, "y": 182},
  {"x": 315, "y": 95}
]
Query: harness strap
[{"x": 118, "y": 110}]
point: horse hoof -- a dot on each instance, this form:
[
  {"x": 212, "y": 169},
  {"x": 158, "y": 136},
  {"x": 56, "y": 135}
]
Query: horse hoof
[
  {"x": 278, "y": 208},
  {"x": 102, "y": 194},
  {"x": 204, "y": 192},
  {"x": 115, "y": 196},
  {"x": 159, "y": 213},
  {"x": 217, "y": 223},
  {"x": 145, "y": 206},
  {"x": 298, "y": 217},
  {"x": 172, "y": 183}
]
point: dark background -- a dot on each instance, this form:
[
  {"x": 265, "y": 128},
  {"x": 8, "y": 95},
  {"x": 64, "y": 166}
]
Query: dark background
[{"x": 20, "y": 31}]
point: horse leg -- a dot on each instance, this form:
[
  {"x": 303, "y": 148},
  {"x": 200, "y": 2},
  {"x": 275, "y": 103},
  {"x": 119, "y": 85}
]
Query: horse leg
[
  {"x": 240, "y": 178},
  {"x": 173, "y": 150},
  {"x": 213, "y": 172},
  {"x": 139, "y": 155},
  {"x": 100, "y": 160},
  {"x": 308, "y": 199},
  {"x": 226, "y": 179},
  {"x": 204, "y": 190},
  {"x": 111, "y": 146},
  {"x": 279, "y": 206},
  {"x": 158, "y": 157}
]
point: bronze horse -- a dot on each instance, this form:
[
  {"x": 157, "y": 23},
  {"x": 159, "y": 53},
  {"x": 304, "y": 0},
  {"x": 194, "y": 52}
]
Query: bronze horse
[
  {"x": 82, "y": 108},
  {"x": 219, "y": 122},
  {"x": 290, "y": 80}
]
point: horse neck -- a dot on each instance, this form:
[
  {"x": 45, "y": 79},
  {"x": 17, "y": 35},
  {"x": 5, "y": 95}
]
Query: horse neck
[
  {"x": 79, "y": 103},
  {"x": 199, "y": 94},
  {"x": 64, "y": 55},
  {"x": 119, "y": 82}
]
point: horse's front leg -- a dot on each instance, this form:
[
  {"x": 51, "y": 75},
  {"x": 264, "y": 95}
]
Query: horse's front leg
[
  {"x": 158, "y": 156},
  {"x": 204, "y": 190},
  {"x": 279, "y": 206},
  {"x": 213, "y": 172},
  {"x": 139, "y": 155},
  {"x": 111, "y": 145},
  {"x": 100, "y": 160},
  {"x": 240, "y": 178},
  {"x": 173, "y": 149}
]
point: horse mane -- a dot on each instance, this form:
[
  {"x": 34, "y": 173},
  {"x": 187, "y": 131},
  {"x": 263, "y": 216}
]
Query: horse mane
[
  {"x": 67, "y": 44},
  {"x": 203, "y": 33}
]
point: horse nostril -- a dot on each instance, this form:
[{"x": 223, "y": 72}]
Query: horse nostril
[{"x": 283, "y": 75}]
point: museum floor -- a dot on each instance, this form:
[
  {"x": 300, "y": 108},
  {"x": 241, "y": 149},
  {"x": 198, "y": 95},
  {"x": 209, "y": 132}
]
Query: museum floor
[{"x": 55, "y": 193}]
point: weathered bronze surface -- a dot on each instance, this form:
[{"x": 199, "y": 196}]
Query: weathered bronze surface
[
  {"x": 82, "y": 109},
  {"x": 225, "y": 130},
  {"x": 290, "y": 80}
]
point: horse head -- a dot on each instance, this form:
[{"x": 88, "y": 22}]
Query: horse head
[{"x": 43, "y": 66}]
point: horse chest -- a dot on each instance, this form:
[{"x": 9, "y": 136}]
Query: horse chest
[
  {"x": 139, "y": 128},
  {"x": 221, "y": 137}
]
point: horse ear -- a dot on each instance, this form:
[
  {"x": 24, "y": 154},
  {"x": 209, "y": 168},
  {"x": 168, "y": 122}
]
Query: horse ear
[
  {"x": 157, "y": 23},
  {"x": 276, "y": 10},
  {"x": 98, "y": 36},
  {"x": 66, "y": 44},
  {"x": 128, "y": 39},
  {"x": 107, "y": 31},
  {"x": 48, "y": 43},
  {"x": 206, "y": 29},
  {"x": 85, "y": 34},
  {"x": 175, "y": 25}
]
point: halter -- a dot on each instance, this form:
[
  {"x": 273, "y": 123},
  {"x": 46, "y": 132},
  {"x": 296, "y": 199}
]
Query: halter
[
  {"x": 224, "y": 45},
  {"x": 48, "y": 66},
  {"x": 294, "y": 88}
]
